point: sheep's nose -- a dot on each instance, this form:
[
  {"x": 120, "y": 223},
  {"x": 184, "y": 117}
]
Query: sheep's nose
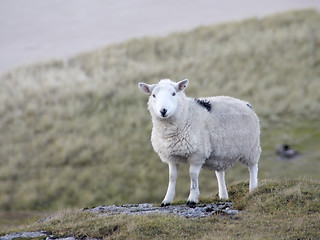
[{"x": 163, "y": 112}]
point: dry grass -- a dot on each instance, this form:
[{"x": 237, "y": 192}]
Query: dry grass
[
  {"x": 277, "y": 210},
  {"x": 76, "y": 133}
]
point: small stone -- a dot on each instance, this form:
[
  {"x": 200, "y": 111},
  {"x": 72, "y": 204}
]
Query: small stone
[
  {"x": 231, "y": 211},
  {"x": 209, "y": 209}
]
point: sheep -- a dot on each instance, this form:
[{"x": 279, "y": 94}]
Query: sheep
[{"x": 213, "y": 132}]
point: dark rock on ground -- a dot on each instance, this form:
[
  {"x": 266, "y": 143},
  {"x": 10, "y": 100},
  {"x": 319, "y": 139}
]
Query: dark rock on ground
[
  {"x": 32, "y": 235},
  {"x": 197, "y": 211}
]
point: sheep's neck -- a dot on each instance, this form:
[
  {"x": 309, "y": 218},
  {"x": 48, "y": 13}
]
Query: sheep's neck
[
  {"x": 177, "y": 124},
  {"x": 173, "y": 130},
  {"x": 174, "y": 127}
]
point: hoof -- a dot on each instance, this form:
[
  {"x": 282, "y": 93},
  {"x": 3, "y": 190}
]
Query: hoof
[
  {"x": 165, "y": 204},
  {"x": 191, "y": 204}
]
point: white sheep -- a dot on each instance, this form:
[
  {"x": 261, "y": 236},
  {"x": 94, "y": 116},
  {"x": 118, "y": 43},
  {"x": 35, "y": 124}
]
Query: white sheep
[{"x": 213, "y": 132}]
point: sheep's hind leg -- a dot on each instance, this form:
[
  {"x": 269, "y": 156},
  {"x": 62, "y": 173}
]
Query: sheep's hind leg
[
  {"x": 223, "y": 193},
  {"x": 171, "y": 191},
  {"x": 194, "y": 186},
  {"x": 253, "y": 170}
]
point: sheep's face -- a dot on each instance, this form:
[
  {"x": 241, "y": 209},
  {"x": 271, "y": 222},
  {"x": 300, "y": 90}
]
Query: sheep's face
[
  {"x": 164, "y": 96},
  {"x": 164, "y": 100}
]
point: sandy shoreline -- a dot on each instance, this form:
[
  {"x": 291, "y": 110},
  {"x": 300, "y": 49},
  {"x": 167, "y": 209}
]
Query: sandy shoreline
[{"x": 37, "y": 30}]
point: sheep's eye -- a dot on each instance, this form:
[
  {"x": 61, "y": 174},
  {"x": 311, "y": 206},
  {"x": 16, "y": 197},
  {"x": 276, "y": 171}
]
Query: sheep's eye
[
  {"x": 173, "y": 94},
  {"x": 153, "y": 95}
]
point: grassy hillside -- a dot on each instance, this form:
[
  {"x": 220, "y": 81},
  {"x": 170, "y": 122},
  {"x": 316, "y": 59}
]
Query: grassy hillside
[
  {"x": 76, "y": 133},
  {"x": 278, "y": 210}
]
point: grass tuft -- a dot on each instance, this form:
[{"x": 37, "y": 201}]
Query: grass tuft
[{"x": 285, "y": 209}]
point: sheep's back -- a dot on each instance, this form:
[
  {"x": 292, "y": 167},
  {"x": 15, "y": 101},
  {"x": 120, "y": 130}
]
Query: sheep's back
[{"x": 234, "y": 131}]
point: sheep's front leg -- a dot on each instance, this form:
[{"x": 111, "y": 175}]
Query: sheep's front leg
[
  {"x": 223, "y": 193},
  {"x": 173, "y": 174},
  {"x": 253, "y": 177},
  {"x": 194, "y": 186}
]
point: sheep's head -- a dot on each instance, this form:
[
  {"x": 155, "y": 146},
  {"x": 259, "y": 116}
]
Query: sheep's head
[{"x": 164, "y": 96}]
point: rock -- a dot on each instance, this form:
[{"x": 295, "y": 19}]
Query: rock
[
  {"x": 32, "y": 235},
  {"x": 197, "y": 211},
  {"x": 23, "y": 235}
]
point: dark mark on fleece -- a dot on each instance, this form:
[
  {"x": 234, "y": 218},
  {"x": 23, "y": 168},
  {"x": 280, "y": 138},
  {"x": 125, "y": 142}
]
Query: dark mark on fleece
[{"x": 204, "y": 103}]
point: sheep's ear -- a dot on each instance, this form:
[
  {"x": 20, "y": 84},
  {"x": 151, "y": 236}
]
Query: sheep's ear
[
  {"x": 182, "y": 85},
  {"x": 146, "y": 88}
]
